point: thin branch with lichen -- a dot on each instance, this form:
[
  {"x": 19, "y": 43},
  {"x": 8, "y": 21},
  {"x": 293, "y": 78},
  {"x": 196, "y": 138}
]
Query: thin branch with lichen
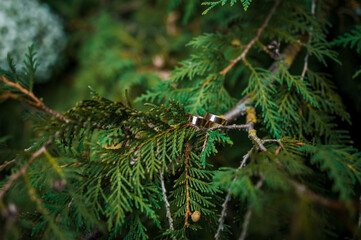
[
  {"x": 165, "y": 199},
  {"x": 251, "y": 132}
]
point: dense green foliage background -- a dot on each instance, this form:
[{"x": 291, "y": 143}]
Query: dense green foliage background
[{"x": 167, "y": 52}]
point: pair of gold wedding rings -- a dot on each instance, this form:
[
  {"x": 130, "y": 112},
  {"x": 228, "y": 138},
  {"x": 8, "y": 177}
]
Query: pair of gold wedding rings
[{"x": 208, "y": 121}]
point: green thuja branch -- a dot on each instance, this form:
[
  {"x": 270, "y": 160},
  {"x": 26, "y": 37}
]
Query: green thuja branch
[
  {"x": 19, "y": 85},
  {"x": 127, "y": 144},
  {"x": 245, "y": 3},
  {"x": 352, "y": 39},
  {"x": 106, "y": 168},
  {"x": 192, "y": 193}
]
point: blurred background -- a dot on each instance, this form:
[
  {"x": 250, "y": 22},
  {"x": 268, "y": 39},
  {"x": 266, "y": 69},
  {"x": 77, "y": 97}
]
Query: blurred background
[{"x": 118, "y": 45}]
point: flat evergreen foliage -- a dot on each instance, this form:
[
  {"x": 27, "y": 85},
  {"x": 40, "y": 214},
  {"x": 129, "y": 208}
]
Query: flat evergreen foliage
[
  {"x": 139, "y": 169},
  {"x": 352, "y": 39},
  {"x": 211, "y": 5}
]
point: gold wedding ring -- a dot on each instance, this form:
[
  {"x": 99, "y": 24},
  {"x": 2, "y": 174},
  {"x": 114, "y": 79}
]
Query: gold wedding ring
[
  {"x": 214, "y": 120},
  {"x": 208, "y": 121},
  {"x": 197, "y": 121}
]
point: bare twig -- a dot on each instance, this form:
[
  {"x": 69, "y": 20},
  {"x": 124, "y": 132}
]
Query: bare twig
[
  {"x": 238, "y": 110},
  {"x": 6, "y": 163},
  {"x": 234, "y": 126},
  {"x": 251, "y": 132},
  {"x": 35, "y": 102},
  {"x": 247, "y": 219},
  {"x": 223, "y": 215},
  {"x": 23, "y": 169},
  {"x": 165, "y": 199},
  {"x": 253, "y": 41},
  {"x": 205, "y": 143},
  {"x": 301, "y": 189},
  {"x": 248, "y": 215},
  {"x": 272, "y": 140},
  {"x": 188, "y": 211},
  {"x": 305, "y": 66},
  {"x": 228, "y": 198}
]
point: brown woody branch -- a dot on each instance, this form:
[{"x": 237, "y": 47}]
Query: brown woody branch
[
  {"x": 233, "y": 127},
  {"x": 253, "y": 41},
  {"x": 188, "y": 211},
  {"x": 23, "y": 169},
  {"x": 238, "y": 110},
  {"x": 6, "y": 163},
  {"x": 328, "y": 203},
  {"x": 34, "y": 101}
]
